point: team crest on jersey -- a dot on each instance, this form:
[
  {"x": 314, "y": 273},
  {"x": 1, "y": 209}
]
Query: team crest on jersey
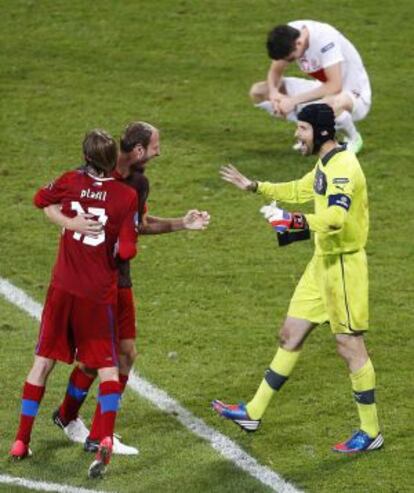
[{"x": 320, "y": 184}]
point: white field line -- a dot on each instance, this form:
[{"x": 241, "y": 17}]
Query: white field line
[
  {"x": 222, "y": 444},
  {"x": 43, "y": 485}
]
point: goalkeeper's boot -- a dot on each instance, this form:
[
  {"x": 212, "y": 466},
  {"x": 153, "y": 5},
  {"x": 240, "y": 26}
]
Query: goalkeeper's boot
[
  {"x": 236, "y": 413},
  {"x": 359, "y": 442},
  {"x": 98, "y": 467},
  {"x": 354, "y": 145},
  {"x": 118, "y": 448},
  {"x": 20, "y": 450},
  {"x": 75, "y": 430}
]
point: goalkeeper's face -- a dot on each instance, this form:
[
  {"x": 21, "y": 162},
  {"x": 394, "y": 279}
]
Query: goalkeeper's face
[{"x": 304, "y": 137}]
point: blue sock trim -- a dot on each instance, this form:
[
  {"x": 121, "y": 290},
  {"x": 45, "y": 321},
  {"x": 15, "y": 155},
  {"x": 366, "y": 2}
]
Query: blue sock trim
[
  {"x": 76, "y": 392},
  {"x": 29, "y": 407},
  {"x": 109, "y": 402}
]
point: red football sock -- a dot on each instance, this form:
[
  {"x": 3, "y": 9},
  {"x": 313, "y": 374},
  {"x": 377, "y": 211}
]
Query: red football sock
[
  {"x": 76, "y": 392},
  {"x": 123, "y": 380},
  {"x": 31, "y": 398},
  {"x": 95, "y": 431},
  {"x": 109, "y": 396}
]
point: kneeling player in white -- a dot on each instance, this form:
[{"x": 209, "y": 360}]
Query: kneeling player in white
[{"x": 322, "y": 52}]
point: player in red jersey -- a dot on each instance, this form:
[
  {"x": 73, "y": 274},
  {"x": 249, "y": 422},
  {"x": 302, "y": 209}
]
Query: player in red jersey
[
  {"x": 79, "y": 315},
  {"x": 138, "y": 145}
]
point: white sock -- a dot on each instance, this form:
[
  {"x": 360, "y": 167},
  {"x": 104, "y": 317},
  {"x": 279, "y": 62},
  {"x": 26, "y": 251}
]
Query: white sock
[
  {"x": 344, "y": 122},
  {"x": 267, "y": 106}
]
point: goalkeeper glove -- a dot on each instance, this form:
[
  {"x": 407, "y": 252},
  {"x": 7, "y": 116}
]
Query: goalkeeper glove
[
  {"x": 290, "y": 227},
  {"x": 282, "y": 220}
]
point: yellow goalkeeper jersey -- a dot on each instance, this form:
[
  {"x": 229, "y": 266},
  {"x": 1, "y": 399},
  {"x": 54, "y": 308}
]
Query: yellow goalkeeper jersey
[{"x": 337, "y": 186}]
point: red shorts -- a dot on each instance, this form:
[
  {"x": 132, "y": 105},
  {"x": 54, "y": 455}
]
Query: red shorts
[
  {"x": 126, "y": 314},
  {"x": 76, "y": 327}
]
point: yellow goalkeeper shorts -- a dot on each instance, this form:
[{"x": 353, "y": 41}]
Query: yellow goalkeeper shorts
[{"x": 334, "y": 289}]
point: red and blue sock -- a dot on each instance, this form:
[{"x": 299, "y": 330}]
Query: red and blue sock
[
  {"x": 31, "y": 398},
  {"x": 76, "y": 392}
]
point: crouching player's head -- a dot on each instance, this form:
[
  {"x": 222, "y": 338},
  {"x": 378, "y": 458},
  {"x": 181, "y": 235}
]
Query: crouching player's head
[
  {"x": 100, "y": 151},
  {"x": 315, "y": 127}
]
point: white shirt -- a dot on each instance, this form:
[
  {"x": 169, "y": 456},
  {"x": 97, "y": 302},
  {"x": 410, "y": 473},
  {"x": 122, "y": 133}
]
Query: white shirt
[{"x": 327, "y": 46}]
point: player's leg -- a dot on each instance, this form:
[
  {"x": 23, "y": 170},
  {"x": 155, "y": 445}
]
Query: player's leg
[
  {"x": 127, "y": 357},
  {"x": 350, "y": 107},
  {"x": 292, "y": 336},
  {"x": 96, "y": 339},
  {"x": 305, "y": 312},
  {"x": 109, "y": 398},
  {"x": 67, "y": 414},
  {"x": 346, "y": 294},
  {"x": 32, "y": 395},
  {"x": 259, "y": 92},
  {"x": 362, "y": 374},
  {"x": 53, "y": 344}
]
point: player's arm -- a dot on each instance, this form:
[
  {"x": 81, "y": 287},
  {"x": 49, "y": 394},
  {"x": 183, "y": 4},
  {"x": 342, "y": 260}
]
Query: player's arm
[
  {"x": 192, "y": 220},
  {"x": 52, "y": 193},
  {"x": 332, "y": 86},
  {"x": 274, "y": 79},
  {"x": 81, "y": 223},
  {"x": 339, "y": 196},
  {"x": 297, "y": 191},
  {"x": 329, "y": 220},
  {"x": 127, "y": 240}
]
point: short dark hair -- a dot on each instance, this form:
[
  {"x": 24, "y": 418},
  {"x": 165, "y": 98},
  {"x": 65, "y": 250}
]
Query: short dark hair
[
  {"x": 136, "y": 133},
  {"x": 281, "y": 41},
  {"x": 100, "y": 150}
]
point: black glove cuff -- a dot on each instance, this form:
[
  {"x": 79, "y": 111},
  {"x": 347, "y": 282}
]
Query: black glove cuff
[{"x": 291, "y": 236}]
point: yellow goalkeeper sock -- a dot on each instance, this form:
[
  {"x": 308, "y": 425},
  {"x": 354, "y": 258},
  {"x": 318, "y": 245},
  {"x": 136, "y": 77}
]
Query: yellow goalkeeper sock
[
  {"x": 275, "y": 376},
  {"x": 363, "y": 385}
]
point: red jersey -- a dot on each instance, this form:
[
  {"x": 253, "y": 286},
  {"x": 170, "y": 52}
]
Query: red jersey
[{"x": 85, "y": 266}]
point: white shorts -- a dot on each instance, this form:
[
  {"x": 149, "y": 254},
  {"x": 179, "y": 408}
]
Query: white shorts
[{"x": 361, "y": 101}]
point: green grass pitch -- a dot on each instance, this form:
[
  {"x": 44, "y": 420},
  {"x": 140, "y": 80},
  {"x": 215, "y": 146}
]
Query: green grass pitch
[{"x": 215, "y": 298}]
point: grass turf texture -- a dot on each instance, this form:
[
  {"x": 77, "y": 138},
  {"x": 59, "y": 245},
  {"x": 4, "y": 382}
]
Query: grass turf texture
[{"x": 217, "y": 297}]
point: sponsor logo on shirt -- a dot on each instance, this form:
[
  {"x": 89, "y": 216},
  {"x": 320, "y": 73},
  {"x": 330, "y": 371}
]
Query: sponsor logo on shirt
[
  {"x": 327, "y": 47},
  {"x": 340, "y": 181}
]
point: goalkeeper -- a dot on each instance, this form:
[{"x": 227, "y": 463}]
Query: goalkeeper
[{"x": 334, "y": 286}]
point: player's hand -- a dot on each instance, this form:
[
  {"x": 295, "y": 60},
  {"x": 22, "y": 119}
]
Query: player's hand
[
  {"x": 285, "y": 105},
  {"x": 282, "y": 220},
  {"x": 85, "y": 225},
  {"x": 275, "y": 98},
  {"x": 231, "y": 174},
  {"x": 196, "y": 220}
]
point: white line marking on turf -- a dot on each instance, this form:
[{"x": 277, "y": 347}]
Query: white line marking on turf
[
  {"x": 43, "y": 485},
  {"x": 222, "y": 444}
]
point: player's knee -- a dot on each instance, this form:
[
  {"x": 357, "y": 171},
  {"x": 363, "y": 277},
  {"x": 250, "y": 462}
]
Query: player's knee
[
  {"x": 288, "y": 339},
  {"x": 40, "y": 370},
  {"x": 344, "y": 349},
  {"x": 257, "y": 93}
]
